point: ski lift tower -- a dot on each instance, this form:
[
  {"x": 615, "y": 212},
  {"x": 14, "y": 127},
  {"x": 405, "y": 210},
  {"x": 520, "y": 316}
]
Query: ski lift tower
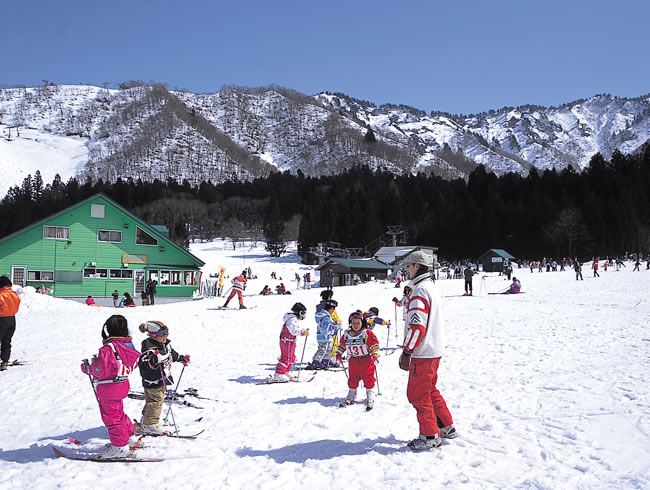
[{"x": 395, "y": 231}]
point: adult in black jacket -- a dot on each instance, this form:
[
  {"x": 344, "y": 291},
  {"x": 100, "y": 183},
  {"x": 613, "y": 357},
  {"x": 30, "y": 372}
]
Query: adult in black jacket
[{"x": 468, "y": 273}]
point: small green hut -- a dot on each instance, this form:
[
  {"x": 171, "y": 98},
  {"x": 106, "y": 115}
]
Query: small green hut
[{"x": 95, "y": 247}]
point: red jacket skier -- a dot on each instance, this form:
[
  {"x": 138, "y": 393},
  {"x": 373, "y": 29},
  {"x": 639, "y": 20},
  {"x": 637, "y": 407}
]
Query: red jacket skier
[
  {"x": 290, "y": 330},
  {"x": 363, "y": 348},
  {"x": 238, "y": 286}
]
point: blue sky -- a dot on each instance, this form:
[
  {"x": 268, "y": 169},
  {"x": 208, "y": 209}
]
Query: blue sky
[{"x": 459, "y": 56}]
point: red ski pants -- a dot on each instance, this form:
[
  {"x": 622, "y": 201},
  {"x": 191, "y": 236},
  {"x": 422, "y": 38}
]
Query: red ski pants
[
  {"x": 239, "y": 296},
  {"x": 425, "y": 397},
  {"x": 119, "y": 425},
  {"x": 287, "y": 357},
  {"x": 361, "y": 369}
]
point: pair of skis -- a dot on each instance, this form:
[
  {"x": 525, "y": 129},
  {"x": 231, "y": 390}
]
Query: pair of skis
[{"x": 132, "y": 456}]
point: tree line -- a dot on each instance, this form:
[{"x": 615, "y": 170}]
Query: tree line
[{"x": 603, "y": 210}]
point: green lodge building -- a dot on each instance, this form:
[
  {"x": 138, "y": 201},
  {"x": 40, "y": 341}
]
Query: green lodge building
[{"x": 94, "y": 248}]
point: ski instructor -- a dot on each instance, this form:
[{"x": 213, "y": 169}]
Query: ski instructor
[{"x": 421, "y": 356}]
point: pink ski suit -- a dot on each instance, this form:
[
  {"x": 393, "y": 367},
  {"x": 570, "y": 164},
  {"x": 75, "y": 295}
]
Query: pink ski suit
[
  {"x": 290, "y": 330},
  {"x": 116, "y": 360}
]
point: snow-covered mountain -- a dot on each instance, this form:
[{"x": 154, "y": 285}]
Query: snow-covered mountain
[{"x": 149, "y": 132}]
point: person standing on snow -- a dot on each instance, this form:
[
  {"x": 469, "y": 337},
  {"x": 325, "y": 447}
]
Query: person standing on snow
[
  {"x": 363, "y": 347},
  {"x": 290, "y": 330},
  {"x": 9, "y": 304},
  {"x": 326, "y": 330},
  {"x": 594, "y": 266},
  {"x": 578, "y": 268},
  {"x": 238, "y": 287},
  {"x": 155, "y": 365},
  {"x": 423, "y": 346},
  {"x": 469, "y": 274},
  {"x": 110, "y": 369}
]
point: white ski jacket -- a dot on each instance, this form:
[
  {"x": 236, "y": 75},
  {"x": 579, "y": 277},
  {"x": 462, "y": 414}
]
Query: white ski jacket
[{"x": 425, "y": 332}]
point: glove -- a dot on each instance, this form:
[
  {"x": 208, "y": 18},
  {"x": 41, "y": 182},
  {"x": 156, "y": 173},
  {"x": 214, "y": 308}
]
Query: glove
[
  {"x": 93, "y": 358},
  {"x": 339, "y": 358},
  {"x": 305, "y": 332},
  {"x": 405, "y": 360},
  {"x": 185, "y": 359},
  {"x": 395, "y": 300},
  {"x": 85, "y": 366}
]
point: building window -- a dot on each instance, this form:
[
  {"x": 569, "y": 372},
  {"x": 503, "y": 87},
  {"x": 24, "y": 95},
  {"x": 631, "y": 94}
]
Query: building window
[
  {"x": 96, "y": 210},
  {"x": 121, "y": 274},
  {"x": 170, "y": 278},
  {"x": 56, "y": 232},
  {"x": 144, "y": 238},
  {"x": 109, "y": 236},
  {"x": 191, "y": 278},
  {"x": 45, "y": 276},
  {"x": 95, "y": 273}
]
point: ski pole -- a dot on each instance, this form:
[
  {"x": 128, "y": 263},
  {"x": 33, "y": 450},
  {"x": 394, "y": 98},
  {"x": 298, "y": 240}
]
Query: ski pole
[
  {"x": 85, "y": 361},
  {"x": 177, "y": 384},
  {"x": 395, "y": 320},
  {"x": 302, "y": 357},
  {"x": 377, "y": 378},
  {"x": 169, "y": 401}
]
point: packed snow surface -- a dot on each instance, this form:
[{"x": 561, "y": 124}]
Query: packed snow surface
[{"x": 548, "y": 389}]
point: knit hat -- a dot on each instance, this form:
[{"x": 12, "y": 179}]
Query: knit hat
[{"x": 153, "y": 327}]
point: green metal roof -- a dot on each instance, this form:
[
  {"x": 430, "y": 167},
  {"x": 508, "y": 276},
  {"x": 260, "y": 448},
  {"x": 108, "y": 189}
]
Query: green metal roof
[
  {"x": 101, "y": 195},
  {"x": 500, "y": 252},
  {"x": 356, "y": 264}
]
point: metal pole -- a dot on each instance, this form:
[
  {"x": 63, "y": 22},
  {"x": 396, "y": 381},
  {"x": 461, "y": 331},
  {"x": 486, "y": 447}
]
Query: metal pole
[
  {"x": 302, "y": 357},
  {"x": 169, "y": 401}
]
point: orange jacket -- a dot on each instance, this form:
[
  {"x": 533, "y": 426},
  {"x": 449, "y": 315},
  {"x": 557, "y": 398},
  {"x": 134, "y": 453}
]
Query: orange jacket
[{"x": 9, "y": 302}]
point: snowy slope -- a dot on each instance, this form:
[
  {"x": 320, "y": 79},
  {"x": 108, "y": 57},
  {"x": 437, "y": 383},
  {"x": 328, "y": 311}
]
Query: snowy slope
[{"x": 548, "y": 389}]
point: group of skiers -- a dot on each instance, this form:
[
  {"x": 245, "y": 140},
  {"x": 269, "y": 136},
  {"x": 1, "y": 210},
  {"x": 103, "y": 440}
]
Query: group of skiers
[
  {"x": 421, "y": 354},
  {"x": 109, "y": 373}
]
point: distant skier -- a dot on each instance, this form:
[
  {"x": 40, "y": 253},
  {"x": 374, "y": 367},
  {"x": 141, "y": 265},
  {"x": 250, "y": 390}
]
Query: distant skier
[
  {"x": 110, "y": 370},
  {"x": 290, "y": 330},
  {"x": 469, "y": 274},
  {"x": 578, "y": 268},
  {"x": 238, "y": 287},
  {"x": 594, "y": 266}
]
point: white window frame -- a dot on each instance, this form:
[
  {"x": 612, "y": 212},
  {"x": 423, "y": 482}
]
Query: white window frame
[
  {"x": 56, "y": 232},
  {"x": 97, "y": 210},
  {"x": 109, "y": 235},
  {"x": 40, "y": 279},
  {"x": 122, "y": 275},
  {"x": 95, "y": 275},
  {"x": 194, "y": 275},
  {"x": 145, "y": 244}
]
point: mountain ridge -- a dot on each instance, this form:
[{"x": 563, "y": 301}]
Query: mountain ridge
[{"x": 145, "y": 132}]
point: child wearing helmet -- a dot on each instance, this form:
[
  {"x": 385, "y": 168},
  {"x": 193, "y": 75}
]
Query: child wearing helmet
[
  {"x": 363, "y": 348},
  {"x": 326, "y": 329},
  {"x": 110, "y": 370},
  {"x": 372, "y": 319},
  {"x": 155, "y": 368},
  {"x": 290, "y": 330}
]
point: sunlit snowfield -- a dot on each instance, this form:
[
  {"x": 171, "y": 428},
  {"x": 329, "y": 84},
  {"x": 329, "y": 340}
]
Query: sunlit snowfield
[{"x": 548, "y": 389}]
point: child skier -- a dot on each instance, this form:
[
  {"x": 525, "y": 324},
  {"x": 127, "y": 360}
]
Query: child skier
[
  {"x": 110, "y": 370},
  {"x": 372, "y": 319},
  {"x": 326, "y": 330},
  {"x": 363, "y": 347},
  {"x": 155, "y": 368},
  {"x": 290, "y": 330}
]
